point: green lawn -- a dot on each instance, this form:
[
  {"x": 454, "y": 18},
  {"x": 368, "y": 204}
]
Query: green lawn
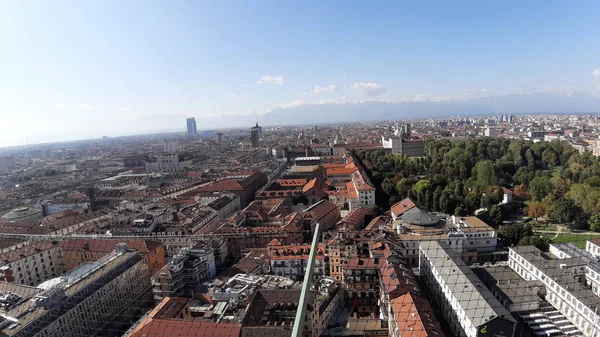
[
  {"x": 544, "y": 227},
  {"x": 576, "y": 239}
]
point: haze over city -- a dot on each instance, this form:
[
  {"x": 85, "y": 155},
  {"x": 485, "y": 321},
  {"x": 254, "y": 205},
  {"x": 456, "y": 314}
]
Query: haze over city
[
  {"x": 299, "y": 168},
  {"x": 85, "y": 70}
]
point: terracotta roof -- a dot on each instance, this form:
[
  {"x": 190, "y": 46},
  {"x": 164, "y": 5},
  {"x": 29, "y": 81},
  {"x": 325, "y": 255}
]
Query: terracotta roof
[
  {"x": 291, "y": 182},
  {"x": 356, "y": 263},
  {"x": 352, "y": 194},
  {"x": 294, "y": 252},
  {"x": 362, "y": 181},
  {"x": 322, "y": 208},
  {"x": 25, "y": 251},
  {"x": 414, "y": 317},
  {"x": 377, "y": 222},
  {"x": 341, "y": 170},
  {"x": 402, "y": 206},
  {"x": 184, "y": 328},
  {"x": 223, "y": 185},
  {"x": 317, "y": 183},
  {"x": 333, "y": 165},
  {"x": 108, "y": 245},
  {"x": 157, "y": 324},
  {"x": 274, "y": 242},
  {"x": 356, "y": 218}
]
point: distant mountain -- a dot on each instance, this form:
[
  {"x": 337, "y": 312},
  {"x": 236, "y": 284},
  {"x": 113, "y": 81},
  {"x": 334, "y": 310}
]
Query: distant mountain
[{"x": 372, "y": 111}]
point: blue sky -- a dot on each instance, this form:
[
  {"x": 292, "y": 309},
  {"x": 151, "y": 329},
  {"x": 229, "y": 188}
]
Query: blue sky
[{"x": 86, "y": 68}]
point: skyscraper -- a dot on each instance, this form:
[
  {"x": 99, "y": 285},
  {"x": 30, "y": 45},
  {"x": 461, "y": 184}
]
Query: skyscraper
[
  {"x": 192, "y": 131},
  {"x": 254, "y": 135}
]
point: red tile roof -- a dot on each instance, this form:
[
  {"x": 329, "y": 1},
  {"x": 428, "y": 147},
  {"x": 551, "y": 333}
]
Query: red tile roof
[
  {"x": 352, "y": 194},
  {"x": 155, "y": 326},
  {"x": 223, "y": 185},
  {"x": 402, "y": 206},
  {"x": 414, "y": 317},
  {"x": 341, "y": 170},
  {"x": 184, "y": 328},
  {"x": 108, "y": 245},
  {"x": 377, "y": 222},
  {"x": 356, "y": 263},
  {"x": 291, "y": 182},
  {"x": 317, "y": 183},
  {"x": 355, "y": 219}
]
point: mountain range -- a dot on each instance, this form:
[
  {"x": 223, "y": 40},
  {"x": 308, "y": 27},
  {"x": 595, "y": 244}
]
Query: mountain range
[{"x": 373, "y": 111}]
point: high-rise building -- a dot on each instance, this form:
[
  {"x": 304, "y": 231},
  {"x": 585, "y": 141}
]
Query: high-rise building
[
  {"x": 171, "y": 146},
  {"x": 192, "y": 131},
  {"x": 254, "y": 135}
]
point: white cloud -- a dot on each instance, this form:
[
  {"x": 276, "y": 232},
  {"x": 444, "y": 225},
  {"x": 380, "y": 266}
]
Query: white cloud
[
  {"x": 294, "y": 103},
  {"x": 234, "y": 96},
  {"x": 369, "y": 88},
  {"x": 271, "y": 80},
  {"x": 74, "y": 106},
  {"x": 327, "y": 88},
  {"x": 476, "y": 93},
  {"x": 128, "y": 109},
  {"x": 431, "y": 98},
  {"x": 596, "y": 73},
  {"x": 303, "y": 93}
]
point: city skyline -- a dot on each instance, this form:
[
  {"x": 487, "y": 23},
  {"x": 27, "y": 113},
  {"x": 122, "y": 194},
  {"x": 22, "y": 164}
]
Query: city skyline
[{"x": 107, "y": 67}]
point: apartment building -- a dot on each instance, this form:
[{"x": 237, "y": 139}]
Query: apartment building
[
  {"x": 82, "y": 301},
  {"x": 563, "y": 277},
  {"x": 361, "y": 277},
  {"x": 466, "y": 303},
  {"x": 177, "y": 317},
  {"x": 291, "y": 260},
  {"x": 32, "y": 264},
  {"x": 271, "y": 312},
  {"x": 339, "y": 250},
  {"x": 78, "y": 251},
  {"x": 185, "y": 270},
  {"x": 361, "y": 190}
]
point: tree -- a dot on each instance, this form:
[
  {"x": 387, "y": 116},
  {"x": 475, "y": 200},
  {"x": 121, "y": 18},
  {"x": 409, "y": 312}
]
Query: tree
[
  {"x": 560, "y": 186},
  {"x": 593, "y": 181},
  {"x": 549, "y": 157},
  {"x": 537, "y": 209},
  {"x": 540, "y": 187},
  {"x": 521, "y": 193},
  {"x": 485, "y": 173},
  {"x": 565, "y": 210},
  {"x": 496, "y": 215},
  {"x": 595, "y": 222},
  {"x": 540, "y": 242},
  {"x": 514, "y": 233},
  {"x": 402, "y": 187},
  {"x": 421, "y": 186}
]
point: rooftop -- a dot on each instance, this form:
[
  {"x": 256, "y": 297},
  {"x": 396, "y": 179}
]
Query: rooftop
[{"x": 477, "y": 301}]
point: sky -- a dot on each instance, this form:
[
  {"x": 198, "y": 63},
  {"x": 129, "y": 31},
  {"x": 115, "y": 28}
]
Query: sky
[{"x": 82, "y": 69}]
